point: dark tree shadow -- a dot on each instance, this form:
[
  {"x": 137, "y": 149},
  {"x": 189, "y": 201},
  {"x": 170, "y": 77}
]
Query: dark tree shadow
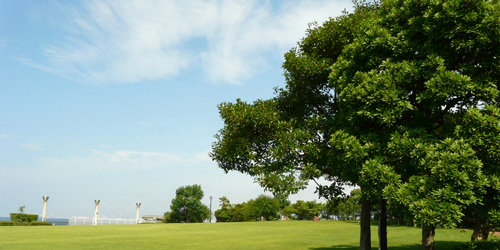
[
  {"x": 441, "y": 245},
  {"x": 343, "y": 247}
]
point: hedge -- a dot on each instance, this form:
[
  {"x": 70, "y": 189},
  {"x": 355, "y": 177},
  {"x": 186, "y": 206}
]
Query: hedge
[
  {"x": 6, "y": 223},
  {"x": 40, "y": 223},
  {"x": 33, "y": 223},
  {"x": 23, "y": 217}
]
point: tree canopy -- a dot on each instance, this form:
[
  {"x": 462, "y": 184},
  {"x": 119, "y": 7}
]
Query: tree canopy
[
  {"x": 399, "y": 97},
  {"x": 261, "y": 208},
  {"x": 187, "y": 207}
]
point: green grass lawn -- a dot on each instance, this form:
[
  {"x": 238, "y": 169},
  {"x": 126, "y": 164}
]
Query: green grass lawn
[{"x": 312, "y": 235}]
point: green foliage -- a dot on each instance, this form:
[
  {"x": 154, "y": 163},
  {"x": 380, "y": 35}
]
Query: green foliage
[
  {"x": 22, "y": 217},
  {"x": 242, "y": 212},
  {"x": 480, "y": 245},
  {"x": 40, "y": 223},
  {"x": 222, "y": 215},
  {"x": 32, "y": 217},
  {"x": 261, "y": 208},
  {"x": 266, "y": 207},
  {"x": 433, "y": 197},
  {"x": 187, "y": 207},
  {"x": 348, "y": 208},
  {"x": 399, "y": 98},
  {"x": 166, "y": 217},
  {"x": 494, "y": 219},
  {"x": 224, "y": 202},
  {"x": 304, "y": 210},
  {"x": 17, "y": 223},
  {"x": 481, "y": 129}
]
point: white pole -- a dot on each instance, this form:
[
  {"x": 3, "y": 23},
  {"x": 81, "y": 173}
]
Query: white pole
[
  {"x": 211, "y": 208},
  {"x": 137, "y": 215},
  {"x": 96, "y": 210},
  {"x": 44, "y": 214}
]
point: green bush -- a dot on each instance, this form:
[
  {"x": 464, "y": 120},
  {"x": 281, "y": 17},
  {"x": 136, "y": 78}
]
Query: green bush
[
  {"x": 222, "y": 215},
  {"x": 33, "y": 223},
  {"x": 6, "y": 223},
  {"x": 480, "y": 245},
  {"x": 166, "y": 217},
  {"x": 23, "y": 217},
  {"x": 14, "y": 223},
  {"x": 18, "y": 217},
  {"x": 32, "y": 217},
  {"x": 40, "y": 223}
]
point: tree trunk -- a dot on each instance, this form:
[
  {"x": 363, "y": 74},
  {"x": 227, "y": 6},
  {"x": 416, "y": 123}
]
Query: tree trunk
[
  {"x": 382, "y": 225},
  {"x": 481, "y": 231},
  {"x": 428, "y": 233},
  {"x": 365, "y": 241}
]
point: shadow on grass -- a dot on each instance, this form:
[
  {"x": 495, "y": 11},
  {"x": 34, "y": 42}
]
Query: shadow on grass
[{"x": 442, "y": 245}]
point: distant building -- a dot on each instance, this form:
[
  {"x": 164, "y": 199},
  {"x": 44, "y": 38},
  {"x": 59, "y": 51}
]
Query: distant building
[{"x": 152, "y": 218}]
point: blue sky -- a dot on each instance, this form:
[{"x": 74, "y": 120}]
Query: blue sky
[{"x": 117, "y": 100}]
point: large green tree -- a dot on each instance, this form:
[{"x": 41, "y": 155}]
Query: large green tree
[
  {"x": 284, "y": 142},
  {"x": 417, "y": 74},
  {"x": 383, "y": 98},
  {"x": 187, "y": 207}
]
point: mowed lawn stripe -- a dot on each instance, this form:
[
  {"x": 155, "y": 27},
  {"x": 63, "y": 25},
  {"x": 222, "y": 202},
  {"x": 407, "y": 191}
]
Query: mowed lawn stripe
[{"x": 312, "y": 235}]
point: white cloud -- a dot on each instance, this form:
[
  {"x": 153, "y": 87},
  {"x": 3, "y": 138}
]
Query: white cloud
[
  {"x": 5, "y": 136},
  {"x": 131, "y": 41},
  {"x": 124, "y": 160},
  {"x": 32, "y": 145}
]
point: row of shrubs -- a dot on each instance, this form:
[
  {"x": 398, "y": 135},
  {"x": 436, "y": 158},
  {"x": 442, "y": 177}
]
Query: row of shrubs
[{"x": 31, "y": 223}]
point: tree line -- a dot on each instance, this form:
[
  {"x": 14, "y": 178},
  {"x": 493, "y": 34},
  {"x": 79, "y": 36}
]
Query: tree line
[
  {"x": 264, "y": 208},
  {"x": 187, "y": 207}
]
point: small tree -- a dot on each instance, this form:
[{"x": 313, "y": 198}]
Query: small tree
[
  {"x": 187, "y": 207},
  {"x": 265, "y": 207},
  {"x": 241, "y": 212},
  {"x": 304, "y": 210},
  {"x": 222, "y": 214},
  {"x": 21, "y": 209},
  {"x": 224, "y": 202}
]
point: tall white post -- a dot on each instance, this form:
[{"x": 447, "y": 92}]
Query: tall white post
[
  {"x": 96, "y": 210},
  {"x": 44, "y": 214},
  {"x": 137, "y": 216},
  {"x": 211, "y": 208}
]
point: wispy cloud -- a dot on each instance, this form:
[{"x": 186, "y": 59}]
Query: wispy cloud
[
  {"x": 5, "y": 136},
  {"x": 3, "y": 42},
  {"x": 124, "y": 160},
  {"x": 131, "y": 41},
  {"x": 32, "y": 145},
  {"x": 145, "y": 124}
]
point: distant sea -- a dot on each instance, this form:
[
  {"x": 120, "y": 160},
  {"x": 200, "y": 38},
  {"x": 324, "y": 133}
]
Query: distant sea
[{"x": 83, "y": 221}]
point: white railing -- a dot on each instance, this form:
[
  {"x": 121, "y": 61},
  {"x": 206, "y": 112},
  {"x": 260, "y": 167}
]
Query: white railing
[{"x": 102, "y": 221}]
